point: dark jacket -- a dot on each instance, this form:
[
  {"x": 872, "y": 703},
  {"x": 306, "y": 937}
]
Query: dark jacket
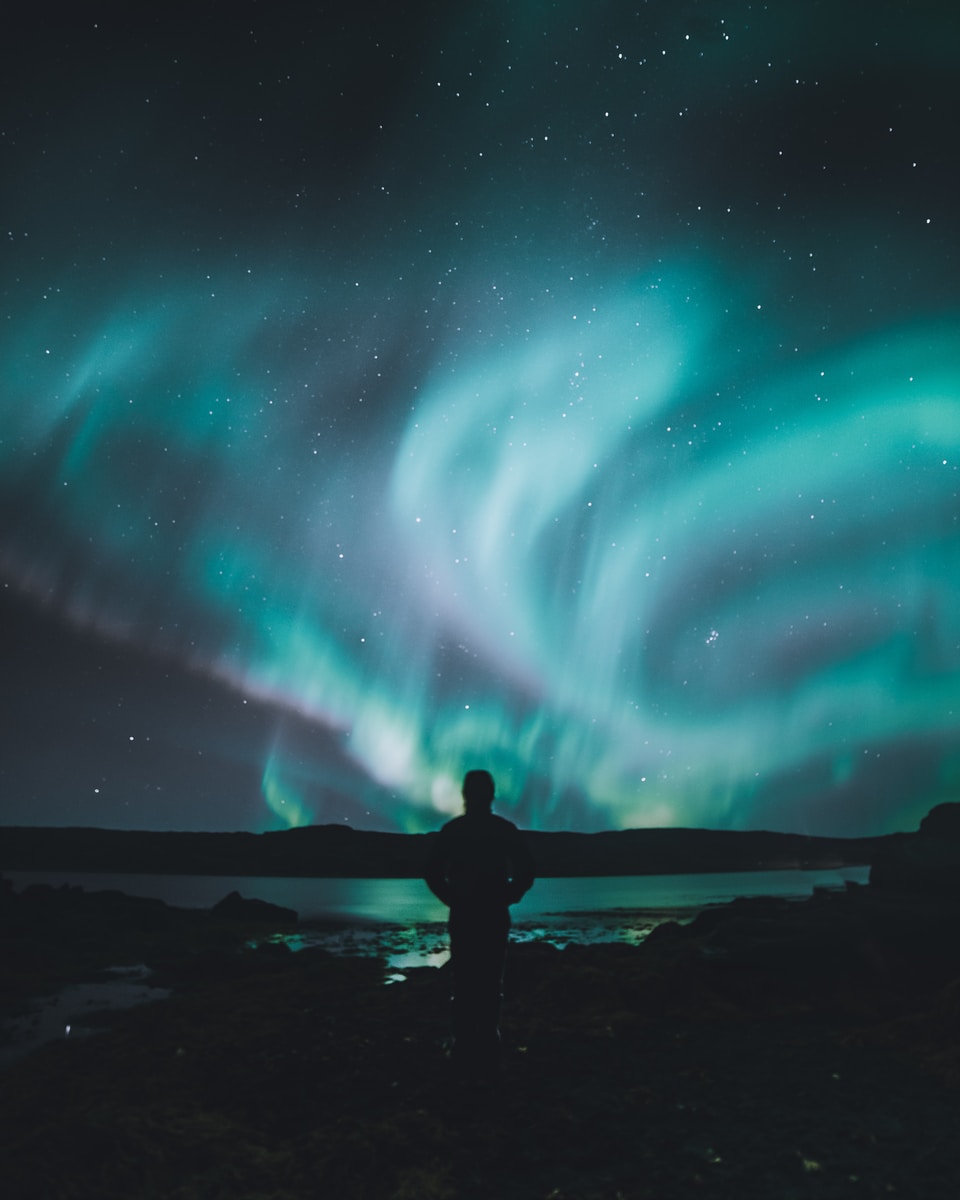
[{"x": 479, "y": 860}]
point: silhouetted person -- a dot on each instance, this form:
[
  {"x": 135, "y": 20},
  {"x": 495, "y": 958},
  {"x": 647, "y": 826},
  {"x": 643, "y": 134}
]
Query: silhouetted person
[{"x": 479, "y": 865}]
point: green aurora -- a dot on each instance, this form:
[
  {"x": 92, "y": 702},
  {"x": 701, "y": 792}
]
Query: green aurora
[{"x": 563, "y": 445}]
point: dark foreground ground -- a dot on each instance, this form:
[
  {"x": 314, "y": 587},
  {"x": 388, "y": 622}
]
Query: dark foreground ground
[{"x": 771, "y": 1050}]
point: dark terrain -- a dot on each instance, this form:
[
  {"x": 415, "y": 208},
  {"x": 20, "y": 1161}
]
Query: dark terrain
[
  {"x": 339, "y": 851},
  {"x": 770, "y": 1049}
]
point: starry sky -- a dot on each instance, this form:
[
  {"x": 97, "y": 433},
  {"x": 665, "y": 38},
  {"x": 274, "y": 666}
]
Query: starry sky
[{"x": 567, "y": 389}]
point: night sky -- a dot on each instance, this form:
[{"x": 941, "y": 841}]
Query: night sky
[{"x": 571, "y": 389}]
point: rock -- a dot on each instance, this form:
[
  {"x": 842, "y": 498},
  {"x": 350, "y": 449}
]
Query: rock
[
  {"x": 668, "y": 934},
  {"x": 922, "y": 866},
  {"x": 109, "y": 908},
  {"x": 942, "y": 821},
  {"x": 235, "y": 907}
]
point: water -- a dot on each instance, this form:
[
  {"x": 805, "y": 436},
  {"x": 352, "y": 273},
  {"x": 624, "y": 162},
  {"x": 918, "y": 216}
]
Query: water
[
  {"x": 402, "y": 920},
  {"x": 399, "y": 920}
]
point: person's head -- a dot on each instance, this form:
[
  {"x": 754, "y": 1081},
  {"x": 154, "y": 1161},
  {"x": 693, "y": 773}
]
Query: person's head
[{"x": 478, "y": 791}]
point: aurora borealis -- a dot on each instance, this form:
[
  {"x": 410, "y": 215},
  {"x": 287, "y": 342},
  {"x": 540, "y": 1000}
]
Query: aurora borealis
[{"x": 572, "y": 390}]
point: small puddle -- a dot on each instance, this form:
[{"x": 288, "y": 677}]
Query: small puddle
[{"x": 62, "y": 1015}]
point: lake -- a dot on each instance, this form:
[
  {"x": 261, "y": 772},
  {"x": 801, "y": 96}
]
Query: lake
[
  {"x": 400, "y": 919},
  {"x": 401, "y": 922}
]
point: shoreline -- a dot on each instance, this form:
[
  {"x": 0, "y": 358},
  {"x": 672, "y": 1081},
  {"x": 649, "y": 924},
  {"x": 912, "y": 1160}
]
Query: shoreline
[
  {"x": 765, "y": 1048},
  {"x": 408, "y": 901}
]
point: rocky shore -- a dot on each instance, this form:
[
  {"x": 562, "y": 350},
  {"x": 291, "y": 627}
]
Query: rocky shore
[{"x": 768, "y": 1049}]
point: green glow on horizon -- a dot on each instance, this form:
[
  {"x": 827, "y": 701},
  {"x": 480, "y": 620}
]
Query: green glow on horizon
[{"x": 282, "y": 799}]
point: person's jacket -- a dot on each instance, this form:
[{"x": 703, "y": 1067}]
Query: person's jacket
[{"x": 479, "y": 860}]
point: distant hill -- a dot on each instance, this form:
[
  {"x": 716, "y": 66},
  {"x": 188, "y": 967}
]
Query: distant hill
[{"x": 339, "y": 851}]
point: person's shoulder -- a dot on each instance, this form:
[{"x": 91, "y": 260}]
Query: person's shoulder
[
  {"x": 503, "y": 824},
  {"x": 452, "y": 826}
]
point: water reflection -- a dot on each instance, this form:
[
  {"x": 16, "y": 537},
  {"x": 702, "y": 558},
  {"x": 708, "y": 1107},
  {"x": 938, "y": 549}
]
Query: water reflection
[
  {"x": 400, "y": 921},
  {"x": 407, "y": 947},
  {"x": 408, "y": 903}
]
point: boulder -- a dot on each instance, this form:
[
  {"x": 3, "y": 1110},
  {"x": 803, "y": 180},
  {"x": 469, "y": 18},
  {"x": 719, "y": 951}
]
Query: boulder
[
  {"x": 235, "y": 907},
  {"x": 942, "y": 821},
  {"x": 923, "y": 866}
]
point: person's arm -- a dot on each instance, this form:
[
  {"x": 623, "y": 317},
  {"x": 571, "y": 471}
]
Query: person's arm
[
  {"x": 523, "y": 870},
  {"x": 435, "y": 871}
]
